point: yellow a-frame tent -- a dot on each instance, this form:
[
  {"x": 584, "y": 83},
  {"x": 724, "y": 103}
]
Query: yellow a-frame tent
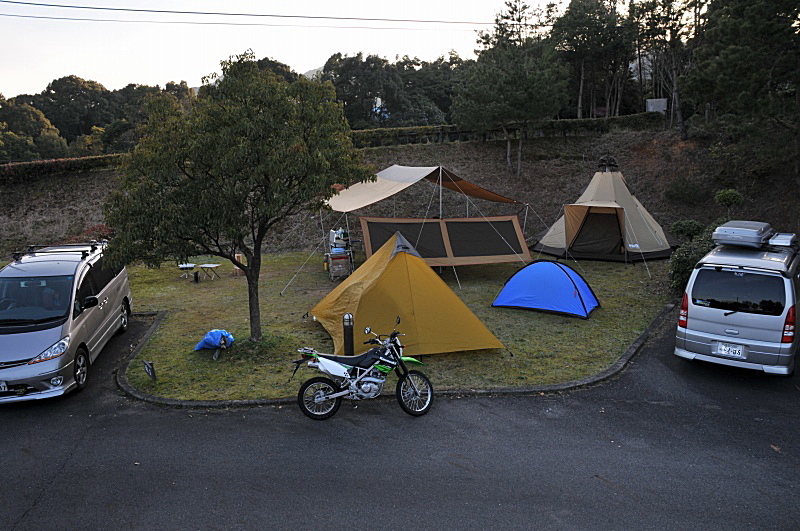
[{"x": 395, "y": 281}]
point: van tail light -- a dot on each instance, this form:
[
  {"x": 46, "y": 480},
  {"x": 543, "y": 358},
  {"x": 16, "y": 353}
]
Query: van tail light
[
  {"x": 788, "y": 326},
  {"x": 683, "y": 316}
]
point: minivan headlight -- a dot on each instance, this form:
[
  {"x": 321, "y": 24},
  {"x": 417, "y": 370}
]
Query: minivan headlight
[{"x": 52, "y": 352}]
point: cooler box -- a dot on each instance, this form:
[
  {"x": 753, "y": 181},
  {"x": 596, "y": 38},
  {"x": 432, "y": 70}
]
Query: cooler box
[{"x": 338, "y": 264}]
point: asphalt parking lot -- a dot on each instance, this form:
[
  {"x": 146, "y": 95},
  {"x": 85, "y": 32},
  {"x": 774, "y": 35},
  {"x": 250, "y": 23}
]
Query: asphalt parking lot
[{"x": 665, "y": 444}]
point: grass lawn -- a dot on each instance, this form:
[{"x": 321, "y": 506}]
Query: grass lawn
[{"x": 546, "y": 348}]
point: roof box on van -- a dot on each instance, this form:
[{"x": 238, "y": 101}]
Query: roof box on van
[{"x": 751, "y": 234}]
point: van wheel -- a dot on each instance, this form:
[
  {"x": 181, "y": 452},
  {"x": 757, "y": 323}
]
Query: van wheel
[
  {"x": 124, "y": 317},
  {"x": 80, "y": 369}
]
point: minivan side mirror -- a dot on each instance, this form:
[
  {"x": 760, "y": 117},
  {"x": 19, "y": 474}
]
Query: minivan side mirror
[{"x": 90, "y": 302}]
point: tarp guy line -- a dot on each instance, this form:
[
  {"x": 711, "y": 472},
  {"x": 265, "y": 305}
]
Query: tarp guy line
[
  {"x": 324, "y": 239},
  {"x": 490, "y": 223},
  {"x": 567, "y": 254},
  {"x": 427, "y": 211}
]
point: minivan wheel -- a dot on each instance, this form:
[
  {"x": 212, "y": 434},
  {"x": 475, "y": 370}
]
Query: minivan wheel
[
  {"x": 80, "y": 369},
  {"x": 124, "y": 316}
]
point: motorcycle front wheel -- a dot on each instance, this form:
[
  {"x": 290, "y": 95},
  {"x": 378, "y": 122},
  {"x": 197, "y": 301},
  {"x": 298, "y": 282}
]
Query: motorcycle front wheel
[
  {"x": 415, "y": 399},
  {"x": 313, "y": 398}
]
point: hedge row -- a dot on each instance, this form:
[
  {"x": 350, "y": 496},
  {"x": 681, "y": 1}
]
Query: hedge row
[
  {"x": 16, "y": 172},
  {"x": 22, "y": 171},
  {"x": 451, "y": 133},
  {"x": 646, "y": 121}
]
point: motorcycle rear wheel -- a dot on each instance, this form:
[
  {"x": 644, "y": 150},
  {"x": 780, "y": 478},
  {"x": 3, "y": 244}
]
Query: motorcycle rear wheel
[
  {"x": 313, "y": 401},
  {"x": 413, "y": 402}
]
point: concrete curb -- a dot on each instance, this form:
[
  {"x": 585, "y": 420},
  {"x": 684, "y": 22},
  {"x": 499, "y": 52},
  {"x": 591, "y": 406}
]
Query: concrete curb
[{"x": 614, "y": 369}]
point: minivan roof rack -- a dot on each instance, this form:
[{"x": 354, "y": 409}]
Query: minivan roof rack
[{"x": 60, "y": 249}]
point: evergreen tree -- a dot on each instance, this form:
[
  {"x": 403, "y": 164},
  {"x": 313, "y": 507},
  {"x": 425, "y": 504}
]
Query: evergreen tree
[
  {"x": 252, "y": 151},
  {"x": 748, "y": 66},
  {"x": 517, "y": 80}
]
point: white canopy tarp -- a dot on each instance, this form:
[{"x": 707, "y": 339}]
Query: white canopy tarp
[
  {"x": 390, "y": 181},
  {"x": 396, "y": 178}
]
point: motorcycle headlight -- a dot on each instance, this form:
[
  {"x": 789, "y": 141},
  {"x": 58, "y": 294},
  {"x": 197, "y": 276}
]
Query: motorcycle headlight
[{"x": 53, "y": 352}]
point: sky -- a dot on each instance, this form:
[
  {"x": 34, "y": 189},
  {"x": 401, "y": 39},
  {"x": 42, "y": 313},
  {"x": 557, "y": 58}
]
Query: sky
[{"x": 36, "y": 49}]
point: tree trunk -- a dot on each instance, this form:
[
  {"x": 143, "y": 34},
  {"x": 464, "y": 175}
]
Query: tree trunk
[
  {"x": 797, "y": 135},
  {"x": 580, "y": 89},
  {"x": 642, "y": 103},
  {"x": 519, "y": 151},
  {"x": 676, "y": 100},
  {"x": 797, "y": 153},
  {"x": 509, "y": 164},
  {"x": 252, "y": 273}
]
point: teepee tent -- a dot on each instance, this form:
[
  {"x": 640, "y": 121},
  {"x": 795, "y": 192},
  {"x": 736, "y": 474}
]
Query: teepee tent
[
  {"x": 607, "y": 222},
  {"x": 548, "y": 286},
  {"x": 396, "y": 281}
]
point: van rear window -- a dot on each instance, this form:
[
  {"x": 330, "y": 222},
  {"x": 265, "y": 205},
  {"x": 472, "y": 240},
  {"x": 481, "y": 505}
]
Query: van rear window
[{"x": 739, "y": 291}]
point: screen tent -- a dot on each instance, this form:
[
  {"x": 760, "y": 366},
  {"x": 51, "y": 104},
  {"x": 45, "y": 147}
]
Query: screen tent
[{"x": 452, "y": 242}]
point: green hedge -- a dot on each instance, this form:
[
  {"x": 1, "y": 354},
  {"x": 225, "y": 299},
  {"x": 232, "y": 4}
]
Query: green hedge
[
  {"x": 647, "y": 121},
  {"x": 16, "y": 172},
  {"x": 396, "y": 136},
  {"x": 408, "y": 135}
]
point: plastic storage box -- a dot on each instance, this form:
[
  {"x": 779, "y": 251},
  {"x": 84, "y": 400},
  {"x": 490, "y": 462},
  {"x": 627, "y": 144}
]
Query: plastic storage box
[{"x": 751, "y": 234}]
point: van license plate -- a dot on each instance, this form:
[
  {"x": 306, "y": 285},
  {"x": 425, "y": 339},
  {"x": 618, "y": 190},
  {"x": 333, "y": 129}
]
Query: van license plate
[
  {"x": 3, "y": 386},
  {"x": 730, "y": 350}
]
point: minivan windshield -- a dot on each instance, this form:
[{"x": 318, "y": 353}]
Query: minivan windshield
[
  {"x": 32, "y": 300},
  {"x": 739, "y": 291}
]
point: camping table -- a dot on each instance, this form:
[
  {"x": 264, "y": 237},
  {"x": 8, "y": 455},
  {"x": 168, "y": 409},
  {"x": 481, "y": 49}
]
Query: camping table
[
  {"x": 186, "y": 268},
  {"x": 208, "y": 270}
]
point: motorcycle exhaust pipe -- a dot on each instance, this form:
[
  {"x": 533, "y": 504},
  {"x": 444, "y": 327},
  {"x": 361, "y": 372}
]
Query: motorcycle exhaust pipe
[{"x": 347, "y": 325}]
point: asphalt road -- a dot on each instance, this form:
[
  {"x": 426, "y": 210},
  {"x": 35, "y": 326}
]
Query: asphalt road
[{"x": 667, "y": 444}]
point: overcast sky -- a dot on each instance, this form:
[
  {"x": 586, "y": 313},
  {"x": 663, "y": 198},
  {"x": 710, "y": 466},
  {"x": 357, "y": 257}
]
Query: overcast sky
[{"x": 36, "y": 51}]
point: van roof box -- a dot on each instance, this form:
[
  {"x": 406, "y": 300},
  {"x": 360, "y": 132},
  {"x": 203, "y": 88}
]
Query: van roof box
[{"x": 752, "y": 234}]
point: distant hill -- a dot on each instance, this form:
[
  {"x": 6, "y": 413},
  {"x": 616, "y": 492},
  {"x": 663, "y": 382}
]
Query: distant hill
[{"x": 312, "y": 74}]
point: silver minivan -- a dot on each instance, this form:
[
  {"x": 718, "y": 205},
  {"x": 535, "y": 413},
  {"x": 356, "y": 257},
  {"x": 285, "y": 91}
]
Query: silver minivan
[
  {"x": 739, "y": 307},
  {"x": 59, "y": 306}
]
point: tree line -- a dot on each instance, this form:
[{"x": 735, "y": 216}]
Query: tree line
[
  {"x": 74, "y": 117},
  {"x": 733, "y": 63}
]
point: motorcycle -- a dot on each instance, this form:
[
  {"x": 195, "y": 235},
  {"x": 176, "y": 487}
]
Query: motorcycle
[{"x": 362, "y": 377}]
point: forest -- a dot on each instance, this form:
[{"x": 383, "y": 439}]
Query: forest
[{"x": 727, "y": 66}]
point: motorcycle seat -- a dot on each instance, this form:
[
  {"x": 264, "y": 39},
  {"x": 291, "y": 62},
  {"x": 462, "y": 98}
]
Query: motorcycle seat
[{"x": 362, "y": 360}]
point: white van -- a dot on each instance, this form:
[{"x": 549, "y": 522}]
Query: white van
[
  {"x": 59, "y": 306},
  {"x": 739, "y": 307}
]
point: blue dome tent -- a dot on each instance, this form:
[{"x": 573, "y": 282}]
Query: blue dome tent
[{"x": 548, "y": 286}]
